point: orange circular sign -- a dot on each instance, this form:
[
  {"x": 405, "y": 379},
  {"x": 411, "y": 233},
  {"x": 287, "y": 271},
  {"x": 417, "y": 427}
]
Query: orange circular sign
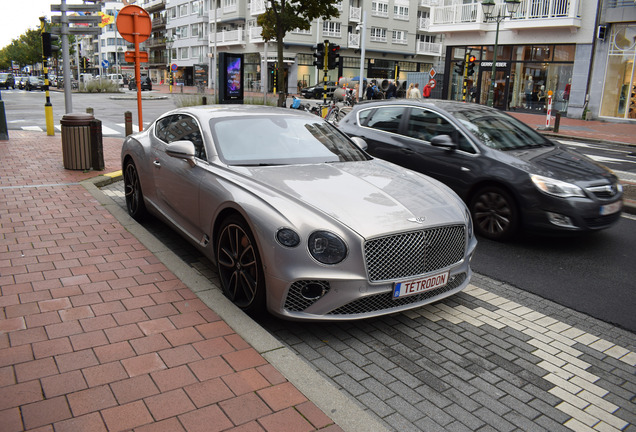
[{"x": 134, "y": 24}]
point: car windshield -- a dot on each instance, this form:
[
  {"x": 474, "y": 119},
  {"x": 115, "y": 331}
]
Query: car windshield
[
  {"x": 500, "y": 131},
  {"x": 278, "y": 140}
]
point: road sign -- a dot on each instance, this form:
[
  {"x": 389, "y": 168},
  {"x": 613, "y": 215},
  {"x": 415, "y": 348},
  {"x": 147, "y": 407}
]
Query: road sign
[
  {"x": 173, "y": 67},
  {"x": 134, "y": 24},
  {"x": 105, "y": 64},
  {"x": 432, "y": 83}
]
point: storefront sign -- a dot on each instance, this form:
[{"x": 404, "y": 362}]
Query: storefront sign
[{"x": 489, "y": 64}]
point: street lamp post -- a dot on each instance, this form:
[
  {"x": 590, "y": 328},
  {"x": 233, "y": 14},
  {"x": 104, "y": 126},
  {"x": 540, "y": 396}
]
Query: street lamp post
[{"x": 489, "y": 16}]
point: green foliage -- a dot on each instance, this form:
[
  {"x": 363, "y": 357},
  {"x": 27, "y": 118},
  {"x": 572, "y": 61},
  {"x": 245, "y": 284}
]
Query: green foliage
[
  {"x": 27, "y": 49},
  {"x": 282, "y": 16}
]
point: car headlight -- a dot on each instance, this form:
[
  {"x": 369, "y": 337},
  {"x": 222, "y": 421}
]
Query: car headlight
[
  {"x": 327, "y": 248},
  {"x": 555, "y": 187}
]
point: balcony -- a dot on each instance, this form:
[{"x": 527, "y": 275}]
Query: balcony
[
  {"x": 257, "y": 7},
  {"x": 231, "y": 37},
  {"x": 423, "y": 24},
  {"x": 429, "y": 3},
  {"x": 155, "y": 42},
  {"x": 532, "y": 14},
  {"x": 159, "y": 21},
  {"x": 255, "y": 35},
  {"x": 353, "y": 41},
  {"x": 355, "y": 14},
  {"x": 154, "y": 5},
  {"x": 429, "y": 48}
]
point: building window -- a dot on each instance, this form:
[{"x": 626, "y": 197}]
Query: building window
[
  {"x": 195, "y": 30},
  {"x": 399, "y": 37},
  {"x": 183, "y": 10},
  {"x": 194, "y": 7},
  {"x": 182, "y": 31},
  {"x": 401, "y": 12},
  {"x": 172, "y": 12},
  {"x": 378, "y": 34},
  {"x": 184, "y": 53},
  {"x": 330, "y": 28},
  {"x": 380, "y": 9}
]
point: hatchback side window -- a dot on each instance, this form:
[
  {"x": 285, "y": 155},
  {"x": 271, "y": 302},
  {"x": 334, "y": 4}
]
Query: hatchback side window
[
  {"x": 386, "y": 119},
  {"x": 423, "y": 124}
]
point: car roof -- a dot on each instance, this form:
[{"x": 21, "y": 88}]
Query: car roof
[
  {"x": 446, "y": 105},
  {"x": 219, "y": 111}
]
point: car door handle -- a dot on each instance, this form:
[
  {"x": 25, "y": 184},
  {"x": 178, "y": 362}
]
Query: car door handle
[
  {"x": 408, "y": 151},
  {"x": 156, "y": 163}
]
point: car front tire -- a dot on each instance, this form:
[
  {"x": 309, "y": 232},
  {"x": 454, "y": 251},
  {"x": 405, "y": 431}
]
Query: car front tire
[
  {"x": 239, "y": 266},
  {"x": 132, "y": 191},
  {"x": 494, "y": 213}
]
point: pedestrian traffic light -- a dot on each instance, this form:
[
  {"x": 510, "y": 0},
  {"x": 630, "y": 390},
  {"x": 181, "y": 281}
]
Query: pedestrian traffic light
[
  {"x": 459, "y": 68},
  {"x": 470, "y": 67},
  {"x": 48, "y": 44},
  {"x": 333, "y": 57},
  {"x": 320, "y": 56}
]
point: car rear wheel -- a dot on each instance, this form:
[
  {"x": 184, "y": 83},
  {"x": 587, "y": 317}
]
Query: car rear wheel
[
  {"x": 239, "y": 266},
  {"x": 494, "y": 213},
  {"x": 132, "y": 190}
]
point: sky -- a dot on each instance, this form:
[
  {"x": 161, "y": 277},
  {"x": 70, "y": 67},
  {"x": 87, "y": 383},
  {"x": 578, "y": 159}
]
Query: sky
[{"x": 17, "y": 16}]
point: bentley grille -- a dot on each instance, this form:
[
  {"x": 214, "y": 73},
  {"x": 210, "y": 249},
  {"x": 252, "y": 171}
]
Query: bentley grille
[{"x": 414, "y": 253}]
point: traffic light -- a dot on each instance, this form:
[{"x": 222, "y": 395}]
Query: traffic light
[
  {"x": 320, "y": 56},
  {"x": 333, "y": 57},
  {"x": 459, "y": 68},
  {"x": 470, "y": 67},
  {"x": 48, "y": 44}
]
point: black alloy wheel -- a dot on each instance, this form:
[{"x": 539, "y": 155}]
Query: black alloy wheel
[
  {"x": 132, "y": 190},
  {"x": 239, "y": 266},
  {"x": 494, "y": 213}
]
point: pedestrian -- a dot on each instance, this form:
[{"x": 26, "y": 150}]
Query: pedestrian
[
  {"x": 370, "y": 91},
  {"x": 391, "y": 92},
  {"x": 426, "y": 91},
  {"x": 409, "y": 92},
  {"x": 416, "y": 92}
]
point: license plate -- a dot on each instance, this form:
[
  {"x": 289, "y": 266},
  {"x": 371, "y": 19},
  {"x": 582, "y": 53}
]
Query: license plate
[
  {"x": 416, "y": 286},
  {"x": 611, "y": 208}
]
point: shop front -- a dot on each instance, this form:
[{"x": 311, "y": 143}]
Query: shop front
[
  {"x": 618, "y": 99},
  {"x": 524, "y": 76}
]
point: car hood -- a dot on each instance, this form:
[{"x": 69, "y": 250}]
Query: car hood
[
  {"x": 371, "y": 197},
  {"x": 559, "y": 163}
]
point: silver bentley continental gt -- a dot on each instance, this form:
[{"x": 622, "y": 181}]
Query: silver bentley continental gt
[{"x": 297, "y": 218}]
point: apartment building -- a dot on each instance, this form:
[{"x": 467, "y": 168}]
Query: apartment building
[{"x": 397, "y": 40}]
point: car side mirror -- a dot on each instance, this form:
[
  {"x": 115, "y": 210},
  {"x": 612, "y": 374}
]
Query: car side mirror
[
  {"x": 182, "y": 150},
  {"x": 360, "y": 143},
  {"x": 443, "y": 141}
]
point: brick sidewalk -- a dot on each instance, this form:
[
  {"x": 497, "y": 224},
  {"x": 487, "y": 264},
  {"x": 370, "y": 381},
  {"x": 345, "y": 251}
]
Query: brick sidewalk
[{"x": 97, "y": 334}]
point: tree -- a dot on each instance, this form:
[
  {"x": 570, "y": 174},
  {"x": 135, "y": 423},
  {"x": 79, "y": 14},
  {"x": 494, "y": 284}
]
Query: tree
[
  {"x": 27, "y": 49},
  {"x": 282, "y": 16}
]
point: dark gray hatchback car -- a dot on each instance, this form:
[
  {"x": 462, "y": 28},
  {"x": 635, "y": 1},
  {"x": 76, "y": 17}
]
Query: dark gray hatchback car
[{"x": 509, "y": 175}]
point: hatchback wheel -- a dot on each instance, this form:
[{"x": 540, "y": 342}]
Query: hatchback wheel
[
  {"x": 239, "y": 265},
  {"x": 132, "y": 190},
  {"x": 494, "y": 213}
]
